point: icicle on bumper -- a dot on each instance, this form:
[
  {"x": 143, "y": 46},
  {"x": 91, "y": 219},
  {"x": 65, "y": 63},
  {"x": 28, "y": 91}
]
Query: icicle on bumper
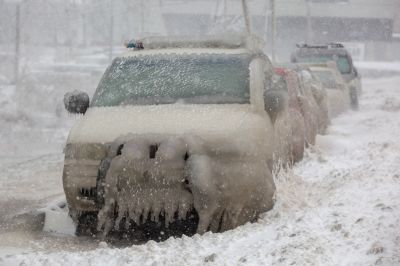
[{"x": 180, "y": 175}]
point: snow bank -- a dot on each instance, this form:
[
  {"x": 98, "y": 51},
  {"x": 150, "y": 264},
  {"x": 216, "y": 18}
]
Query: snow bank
[
  {"x": 377, "y": 66},
  {"x": 378, "y": 69},
  {"x": 57, "y": 219}
]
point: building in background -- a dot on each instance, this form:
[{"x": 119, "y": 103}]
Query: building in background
[{"x": 369, "y": 28}]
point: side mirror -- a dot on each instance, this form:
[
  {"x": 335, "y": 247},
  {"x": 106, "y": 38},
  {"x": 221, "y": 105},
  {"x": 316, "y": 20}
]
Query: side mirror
[
  {"x": 76, "y": 102},
  {"x": 275, "y": 102}
]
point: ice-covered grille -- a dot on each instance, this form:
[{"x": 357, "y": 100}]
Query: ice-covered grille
[{"x": 89, "y": 193}]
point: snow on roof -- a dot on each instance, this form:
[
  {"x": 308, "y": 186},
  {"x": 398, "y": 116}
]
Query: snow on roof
[
  {"x": 180, "y": 51},
  {"x": 228, "y": 41},
  {"x": 233, "y": 41}
]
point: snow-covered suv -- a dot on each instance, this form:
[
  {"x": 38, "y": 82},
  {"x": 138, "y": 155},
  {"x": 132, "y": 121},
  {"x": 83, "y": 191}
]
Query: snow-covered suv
[
  {"x": 176, "y": 130},
  {"x": 306, "y": 53}
]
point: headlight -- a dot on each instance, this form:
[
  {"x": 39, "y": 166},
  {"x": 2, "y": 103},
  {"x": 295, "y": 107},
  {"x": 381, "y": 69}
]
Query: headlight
[{"x": 86, "y": 151}]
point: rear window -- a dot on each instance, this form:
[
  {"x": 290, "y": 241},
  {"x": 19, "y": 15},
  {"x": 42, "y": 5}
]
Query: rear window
[{"x": 172, "y": 78}]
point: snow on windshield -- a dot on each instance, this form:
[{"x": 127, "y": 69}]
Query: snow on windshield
[{"x": 171, "y": 78}]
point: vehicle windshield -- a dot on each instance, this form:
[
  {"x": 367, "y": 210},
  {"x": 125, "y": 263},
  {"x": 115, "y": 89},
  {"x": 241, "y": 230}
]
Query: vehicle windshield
[
  {"x": 327, "y": 79},
  {"x": 342, "y": 61},
  {"x": 172, "y": 78}
]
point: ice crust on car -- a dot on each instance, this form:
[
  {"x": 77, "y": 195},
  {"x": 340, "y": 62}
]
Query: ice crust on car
[
  {"x": 140, "y": 186},
  {"x": 103, "y": 125},
  {"x": 183, "y": 175},
  {"x": 222, "y": 41},
  {"x": 210, "y": 158}
]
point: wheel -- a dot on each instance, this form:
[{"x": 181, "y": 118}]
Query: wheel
[
  {"x": 353, "y": 98},
  {"x": 87, "y": 222}
]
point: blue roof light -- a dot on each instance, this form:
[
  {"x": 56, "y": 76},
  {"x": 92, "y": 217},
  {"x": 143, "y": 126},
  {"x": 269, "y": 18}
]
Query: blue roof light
[{"x": 134, "y": 44}]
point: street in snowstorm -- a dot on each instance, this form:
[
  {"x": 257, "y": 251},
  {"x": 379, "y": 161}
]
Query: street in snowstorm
[{"x": 199, "y": 132}]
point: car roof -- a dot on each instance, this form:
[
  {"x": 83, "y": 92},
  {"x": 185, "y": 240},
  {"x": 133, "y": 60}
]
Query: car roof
[
  {"x": 182, "y": 51},
  {"x": 229, "y": 41},
  {"x": 220, "y": 43},
  {"x": 327, "y": 49}
]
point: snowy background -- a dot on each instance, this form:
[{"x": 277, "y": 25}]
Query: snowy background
[{"x": 340, "y": 206}]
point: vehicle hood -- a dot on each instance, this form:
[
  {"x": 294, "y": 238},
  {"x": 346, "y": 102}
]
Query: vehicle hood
[{"x": 105, "y": 124}]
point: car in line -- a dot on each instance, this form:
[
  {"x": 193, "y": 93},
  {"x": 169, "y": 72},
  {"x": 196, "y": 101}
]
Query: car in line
[
  {"x": 178, "y": 138},
  {"x": 338, "y": 93},
  {"x": 306, "y": 95},
  {"x": 293, "y": 119},
  {"x": 314, "y": 54},
  {"x": 311, "y": 85}
]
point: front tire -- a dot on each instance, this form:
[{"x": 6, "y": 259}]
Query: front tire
[{"x": 86, "y": 225}]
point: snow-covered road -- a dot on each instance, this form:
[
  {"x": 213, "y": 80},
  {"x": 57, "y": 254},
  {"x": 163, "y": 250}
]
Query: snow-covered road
[{"x": 340, "y": 206}]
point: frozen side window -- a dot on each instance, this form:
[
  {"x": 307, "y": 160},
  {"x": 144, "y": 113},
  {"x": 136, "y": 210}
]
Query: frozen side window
[
  {"x": 343, "y": 64},
  {"x": 172, "y": 78}
]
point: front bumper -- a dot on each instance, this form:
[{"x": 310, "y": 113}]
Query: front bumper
[{"x": 232, "y": 176}]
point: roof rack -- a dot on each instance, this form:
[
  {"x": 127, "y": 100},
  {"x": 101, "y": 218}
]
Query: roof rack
[
  {"x": 335, "y": 45},
  {"x": 187, "y": 42},
  {"x": 222, "y": 41},
  {"x": 326, "y": 46}
]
